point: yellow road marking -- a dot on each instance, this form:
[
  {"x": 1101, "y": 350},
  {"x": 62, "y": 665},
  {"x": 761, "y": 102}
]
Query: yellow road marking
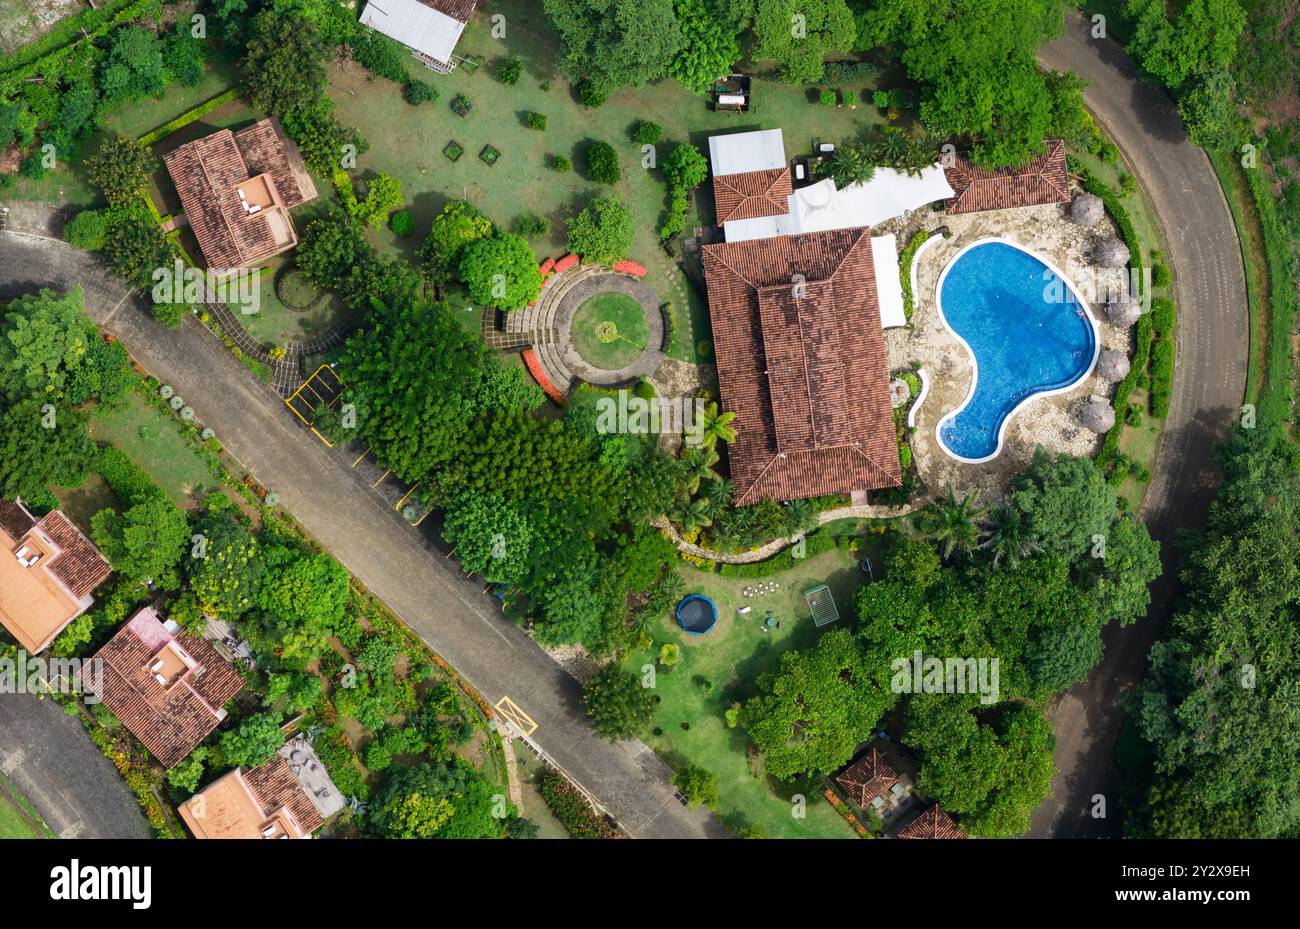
[
  {"x": 359, "y": 457},
  {"x": 515, "y": 716},
  {"x": 381, "y": 478},
  {"x": 398, "y": 505}
]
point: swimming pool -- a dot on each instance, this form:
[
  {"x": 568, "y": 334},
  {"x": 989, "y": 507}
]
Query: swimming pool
[{"x": 1027, "y": 334}]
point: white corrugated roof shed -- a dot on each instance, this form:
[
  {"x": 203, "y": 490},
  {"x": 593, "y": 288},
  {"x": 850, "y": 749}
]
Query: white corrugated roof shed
[
  {"x": 414, "y": 25},
  {"x": 741, "y": 152},
  {"x": 889, "y": 285}
]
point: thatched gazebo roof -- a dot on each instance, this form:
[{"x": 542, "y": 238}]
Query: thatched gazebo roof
[
  {"x": 1112, "y": 253},
  {"x": 1112, "y": 365},
  {"x": 1087, "y": 209},
  {"x": 1097, "y": 415},
  {"x": 1123, "y": 311}
]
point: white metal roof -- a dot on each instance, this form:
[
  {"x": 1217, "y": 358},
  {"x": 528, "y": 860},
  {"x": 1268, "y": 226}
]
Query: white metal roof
[
  {"x": 740, "y": 152},
  {"x": 889, "y": 285},
  {"x": 821, "y": 207},
  {"x": 414, "y": 25}
]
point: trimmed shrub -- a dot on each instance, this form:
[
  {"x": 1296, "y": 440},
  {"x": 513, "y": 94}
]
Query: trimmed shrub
[
  {"x": 814, "y": 544},
  {"x": 828, "y": 98},
  {"x": 510, "y": 70},
  {"x": 602, "y": 163},
  {"x": 461, "y": 105},
  {"x": 417, "y": 92},
  {"x": 401, "y": 223},
  {"x": 1160, "y": 275},
  {"x": 1163, "y": 316},
  {"x": 561, "y": 164},
  {"x": 646, "y": 132},
  {"x": 530, "y": 224},
  {"x": 588, "y": 95},
  {"x": 537, "y": 121}
]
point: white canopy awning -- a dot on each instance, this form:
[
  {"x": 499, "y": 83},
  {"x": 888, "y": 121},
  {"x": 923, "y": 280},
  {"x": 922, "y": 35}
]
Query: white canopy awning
[{"x": 821, "y": 207}]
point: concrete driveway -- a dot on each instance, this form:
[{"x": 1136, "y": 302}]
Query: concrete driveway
[
  {"x": 1208, "y": 389},
  {"x": 449, "y": 611},
  {"x": 51, "y": 759}
]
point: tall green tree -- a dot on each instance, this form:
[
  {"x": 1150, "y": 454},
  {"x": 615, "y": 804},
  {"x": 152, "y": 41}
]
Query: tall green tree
[
  {"x": 619, "y": 706},
  {"x": 800, "y": 34},
  {"x": 609, "y": 44},
  {"x": 709, "y": 46}
]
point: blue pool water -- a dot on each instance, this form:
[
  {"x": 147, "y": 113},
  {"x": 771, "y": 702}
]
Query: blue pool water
[{"x": 1027, "y": 330}]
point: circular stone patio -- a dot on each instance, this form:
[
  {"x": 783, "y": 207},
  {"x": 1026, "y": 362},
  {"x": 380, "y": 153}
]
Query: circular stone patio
[{"x": 646, "y": 362}]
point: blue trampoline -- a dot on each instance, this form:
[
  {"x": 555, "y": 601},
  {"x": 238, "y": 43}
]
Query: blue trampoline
[{"x": 696, "y": 614}]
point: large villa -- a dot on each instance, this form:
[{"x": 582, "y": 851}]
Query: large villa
[{"x": 811, "y": 333}]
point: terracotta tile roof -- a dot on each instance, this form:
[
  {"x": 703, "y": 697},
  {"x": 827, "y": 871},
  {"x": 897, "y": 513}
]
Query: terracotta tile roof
[
  {"x": 171, "y": 718},
  {"x": 869, "y": 777},
  {"x": 14, "y": 518},
  {"x": 752, "y": 194},
  {"x": 267, "y": 150},
  {"x": 934, "y": 823},
  {"x": 275, "y": 786},
  {"x": 79, "y": 565},
  {"x": 208, "y": 172},
  {"x": 806, "y": 374},
  {"x": 459, "y": 10},
  {"x": 1043, "y": 180}
]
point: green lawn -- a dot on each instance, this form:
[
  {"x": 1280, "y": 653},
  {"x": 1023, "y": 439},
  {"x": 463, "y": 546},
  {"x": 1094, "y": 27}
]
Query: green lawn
[
  {"x": 610, "y": 331},
  {"x": 407, "y": 141},
  {"x": 730, "y": 657},
  {"x": 154, "y": 443},
  {"x": 17, "y": 818}
]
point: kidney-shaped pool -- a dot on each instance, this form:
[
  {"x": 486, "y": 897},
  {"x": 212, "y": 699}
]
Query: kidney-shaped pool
[{"x": 1027, "y": 329}]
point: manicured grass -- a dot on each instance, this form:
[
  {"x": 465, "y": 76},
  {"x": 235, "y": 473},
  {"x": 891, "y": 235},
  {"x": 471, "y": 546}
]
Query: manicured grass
[
  {"x": 18, "y": 820},
  {"x": 155, "y": 444},
  {"x": 731, "y": 657},
  {"x": 407, "y": 142},
  {"x": 610, "y": 331}
]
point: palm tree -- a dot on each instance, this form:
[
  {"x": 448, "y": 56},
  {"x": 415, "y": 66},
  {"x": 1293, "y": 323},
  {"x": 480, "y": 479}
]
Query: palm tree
[
  {"x": 714, "y": 503},
  {"x": 920, "y": 152},
  {"x": 890, "y": 145},
  {"x": 799, "y": 516},
  {"x": 716, "y": 425},
  {"x": 698, "y": 462},
  {"x": 693, "y": 514},
  {"x": 952, "y": 523},
  {"x": 850, "y": 165},
  {"x": 1006, "y": 536}
]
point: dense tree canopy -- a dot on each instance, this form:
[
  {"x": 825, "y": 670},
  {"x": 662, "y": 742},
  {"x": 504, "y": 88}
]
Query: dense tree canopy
[
  {"x": 446, "y": 800},
  {"x": 603, "y": 232},
  {"x": 608, "y": 44},
  {"x": 1219, "y": 705},
  {"x": 501, "y": 271},
  {"x": 801, "y": 33}
]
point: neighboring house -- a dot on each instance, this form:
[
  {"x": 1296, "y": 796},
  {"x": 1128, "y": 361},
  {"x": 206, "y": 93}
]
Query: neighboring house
[
  {"x": 168, "y": 688},
  {"x": 289, "y": 797},
  {"x": 1044, "y": 180},
  {"x": 429, "y": 28},
  {"x": 934, "y": 823},
  {"x": 47, "y": 572},
  {"x": 801, "y": 362},
  {"x": 872, "y": 783},
  {"x": 237, "y": 189}
]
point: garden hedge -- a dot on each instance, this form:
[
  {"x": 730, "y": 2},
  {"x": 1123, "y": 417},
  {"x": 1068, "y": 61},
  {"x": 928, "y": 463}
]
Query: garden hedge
[{"x": 185, "y": 119}]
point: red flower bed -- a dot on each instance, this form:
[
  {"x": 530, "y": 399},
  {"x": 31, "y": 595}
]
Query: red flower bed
[
  {"x": 534, "y": 366},
  {"x": 630, "y": 268},
  {"x": 547, "y": 266},
  {"x": 567, "y": 263}
]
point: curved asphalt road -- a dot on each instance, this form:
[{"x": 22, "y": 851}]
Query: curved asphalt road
[
  {"x": 426, "y": 590},
  {"x": 1209, "y": 385}
]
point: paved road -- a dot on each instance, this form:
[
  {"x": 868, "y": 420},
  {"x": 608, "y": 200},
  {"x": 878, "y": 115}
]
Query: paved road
[
  {"x": 1209, "y": 384},
  {"x": 51, "y": 759},
  {"x": 425, "y": 589}
]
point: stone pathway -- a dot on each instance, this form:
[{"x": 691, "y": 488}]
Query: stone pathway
[{"x": 775, "y": 546}]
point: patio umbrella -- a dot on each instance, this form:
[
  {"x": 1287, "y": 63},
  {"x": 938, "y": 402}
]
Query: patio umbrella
[
  {"x": 1097, "y": 415},
  {"x": 1112, "y": 366},
  {"x": 1123, "y": 311},
  {"x": 1112, "y": 253},
  {"x": 1087, "y": 210}
]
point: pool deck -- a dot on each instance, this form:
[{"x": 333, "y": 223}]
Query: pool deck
[{"x": 1047, "y": 420}]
